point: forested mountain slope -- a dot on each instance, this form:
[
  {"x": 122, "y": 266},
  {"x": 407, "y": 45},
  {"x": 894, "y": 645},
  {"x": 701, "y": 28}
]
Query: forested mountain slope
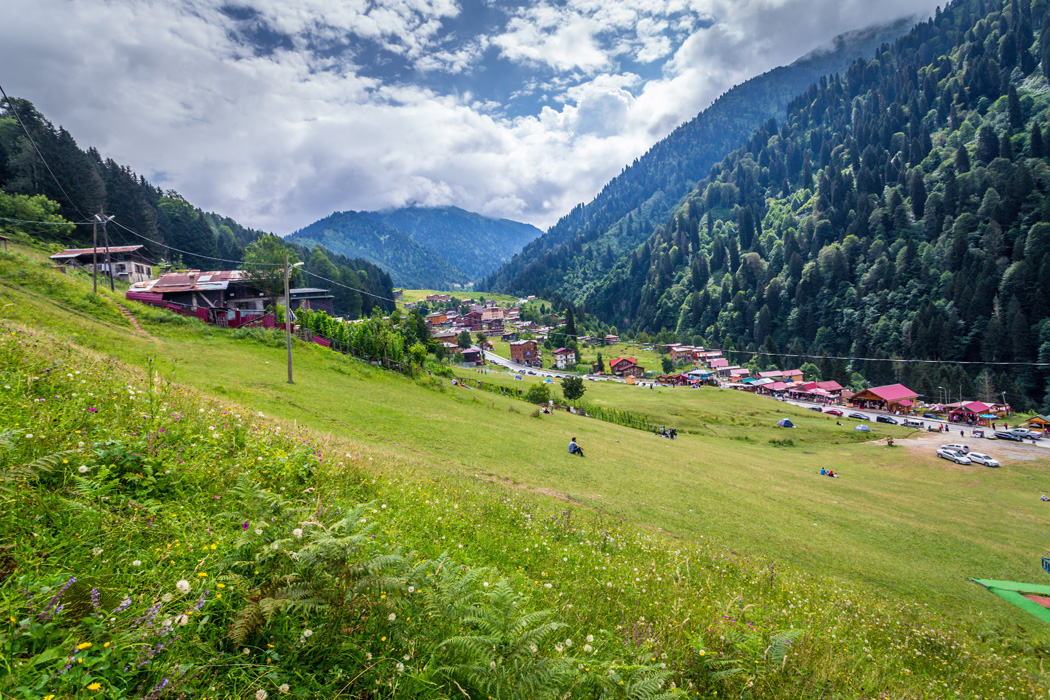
[
  {"x": 364, "y": 235},
  {"x": 900, "y": 211},
  {"x": 164, "y": 220},
  {"x": 474, "y": 244},
  {"x": 585, "y": 243}
]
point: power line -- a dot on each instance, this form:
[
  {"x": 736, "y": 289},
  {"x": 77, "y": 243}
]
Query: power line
[
  {"x": 345, "y": 286},
  {"x": 11, "y": 106},
  {"x": 197, "y": 255},
  {"x": 45, "y": 223}
]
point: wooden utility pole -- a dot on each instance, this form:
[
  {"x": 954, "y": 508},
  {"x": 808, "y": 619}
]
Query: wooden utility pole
[
  {"x": 94, "y": 255},
  {"x": 109, "y": 263},
  {"x": 288, "y": 317}
]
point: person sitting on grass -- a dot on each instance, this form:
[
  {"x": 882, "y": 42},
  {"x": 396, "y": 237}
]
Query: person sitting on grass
[{"x": 574, "y": 449}]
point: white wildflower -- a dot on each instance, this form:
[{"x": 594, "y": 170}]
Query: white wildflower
[
  {"x": 297, "y": 532},
  {"x": 400, "y": 667},
  {"x": 260, "y": 694},
  {"x": 182, "y": 620},
  {"x": 590, "y": 637},
  {"x": 283, "y": 687},
  {"x": 392, "y": 617},
  {"x": 183, "y": 586},
  {"x": 83, "y": 469},
  {"x": 136, "y": 563}
]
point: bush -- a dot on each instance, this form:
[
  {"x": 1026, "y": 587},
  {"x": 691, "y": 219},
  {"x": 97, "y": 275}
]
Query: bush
[{"x": 538, "y": 393}]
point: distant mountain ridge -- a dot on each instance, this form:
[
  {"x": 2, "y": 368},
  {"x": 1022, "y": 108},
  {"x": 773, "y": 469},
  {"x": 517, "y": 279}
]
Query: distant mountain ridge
[
  {"x": 629, "y": 207},
  {"x": 423, "y": 247}
]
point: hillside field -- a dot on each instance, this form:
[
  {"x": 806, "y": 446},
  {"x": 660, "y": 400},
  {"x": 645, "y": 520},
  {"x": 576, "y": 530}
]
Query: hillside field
[{"x": 719, "y": 541}]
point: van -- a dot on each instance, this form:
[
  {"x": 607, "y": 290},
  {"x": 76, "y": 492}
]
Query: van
[{"x": 912, "y": 423}]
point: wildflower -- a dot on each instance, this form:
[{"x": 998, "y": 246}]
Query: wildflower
[
  {"x": 82, "y": 469},
  {"x": 283, "y": 687},
  {"x": 95, "y": 686},
  {"x": 590, "y": 637},
  {"x": 492, "y": 664},
  {"x": 246, "y": 526},
  {"x": 136, "y": 563},
  {"x": 568, "y": 642},
  {"x": 588, "y": 648},
  {"x": 392, "y": 617},
  {"x": 96, "y": 551},
  {"x": 703, "y": 653},
  {"x": 183, "y": 586},
  {"x": 297, "y": 532},
  {"x": 182, "y": 620},
  {"x": 245, "y": 651},
  {"x": 307, "y": 634},
  {"x": 260, "y": 694},
  {"x": 83, "y": 645},
  {"x": 558, "y": 647},
  {"x": 400, "y": 667},
  {"x": 533, "y": 649}
]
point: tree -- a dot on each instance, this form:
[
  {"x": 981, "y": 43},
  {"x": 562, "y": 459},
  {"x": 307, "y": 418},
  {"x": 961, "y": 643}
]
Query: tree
[
  {"x": 463, "y": 339},
  {"x": 265, "y": 269},
  {"x": 572, "y": 388},
  {"x": 667, "y": 365},
  {"x": 570, "y": 323},
  {"x": 600, "y": 363},
  {"x": 481, "y": 338},
  {"x": 538, "y": 393},
  {"x": 811, "y": 372}
]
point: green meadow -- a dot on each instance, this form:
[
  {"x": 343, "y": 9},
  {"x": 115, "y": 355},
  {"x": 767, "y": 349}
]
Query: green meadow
[{"x": 717, "y": 564}]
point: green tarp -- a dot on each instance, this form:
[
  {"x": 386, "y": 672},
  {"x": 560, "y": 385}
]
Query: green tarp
[{"x": 1014, "y": 592}]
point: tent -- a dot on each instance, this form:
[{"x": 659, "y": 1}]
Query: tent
[
  {"x": 785, "y": 423},
  {"x": 863, "y": 428},
  {"x": 549, "y": 381}
]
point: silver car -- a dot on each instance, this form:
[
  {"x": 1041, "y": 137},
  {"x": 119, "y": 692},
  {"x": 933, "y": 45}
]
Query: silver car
[
  {"x": 953, "y": 455},
  {"x": 981, "y": 458}
]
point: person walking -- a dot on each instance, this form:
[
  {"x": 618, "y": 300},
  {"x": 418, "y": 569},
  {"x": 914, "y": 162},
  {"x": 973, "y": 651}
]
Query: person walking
[{"x": 574, "y": 449}]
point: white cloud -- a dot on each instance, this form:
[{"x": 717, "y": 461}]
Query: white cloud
[{"x": 280, "y": 139}]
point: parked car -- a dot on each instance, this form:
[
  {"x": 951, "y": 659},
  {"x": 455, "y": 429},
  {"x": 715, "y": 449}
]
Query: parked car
[
  {"x": 1008, "y": 435},
  {"x": 1026, "y": 434},
  {"x": 886, "y": 419},
  {"x": 833, "y": 412},
  {"x": 953, "y": 456},
  {"x": 859, "y": 416},
  {"x": 981, "y": 458},
  {"x": 931, "y": 416},
  {"x": 812, "y": 408},
  {"x": 912, "y": 423},
  {"x": 956, "y": 447}
]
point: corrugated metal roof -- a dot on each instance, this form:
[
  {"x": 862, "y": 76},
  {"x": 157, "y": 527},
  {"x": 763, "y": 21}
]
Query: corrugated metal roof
[
  {"x": 76, "y": 252},
  {"x": 190, "y": 281}
]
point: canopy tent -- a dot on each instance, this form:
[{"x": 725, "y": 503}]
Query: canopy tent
[
  {"x": 863, "y": 428},
  {"x": 1030, "y": 597},
  {"x": 548, "y": 380},
  {"x": 785, "y": 423}
]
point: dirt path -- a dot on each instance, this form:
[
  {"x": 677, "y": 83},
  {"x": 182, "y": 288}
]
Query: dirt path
[
  {"x": 135, "y": 323},
  {"x": 929, "y": 442}
]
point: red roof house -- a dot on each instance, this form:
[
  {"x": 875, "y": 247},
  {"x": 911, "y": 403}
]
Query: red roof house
[{"x": 888, "y": 398}]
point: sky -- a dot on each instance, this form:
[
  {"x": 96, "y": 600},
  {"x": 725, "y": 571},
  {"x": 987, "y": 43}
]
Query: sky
[{"x": 279, "y": 112}]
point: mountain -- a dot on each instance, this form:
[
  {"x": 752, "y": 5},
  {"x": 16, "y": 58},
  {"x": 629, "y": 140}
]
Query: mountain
[
  {"x": 169, "y": 226},
  {"x": 901, "y": 210},
  {"x": 477, "y": 245},
  {"x": 361, "y": 235},
  {"x": 632, "y": 204},
  {"x": 422, "y": 247}
]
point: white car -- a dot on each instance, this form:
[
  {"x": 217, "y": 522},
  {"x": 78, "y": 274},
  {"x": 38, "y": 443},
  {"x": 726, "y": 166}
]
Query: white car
[
  {"x": 956, "y": 447},
  {"x": 953, "y": 455},
  {"x": 981, "y": 458}
]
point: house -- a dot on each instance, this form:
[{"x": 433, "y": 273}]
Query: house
[
  {"x": 491, "y": 313},
  {"x": 612, "y": 339},
  {"x": 508, "y": 337},
  {"x": 563, "y": 357},
  {"x": 893, "y": 397},
  {"x": 972, "y": 412},
  {"x": 737, "y": 374},
  {"x": 312, "y": 298},
  {"x": 472, "y": 357},
  {"x": 439, "y": 298},
  {"x": 719, "y": 364},
  {"x": 223, "y": 297},
  {"x": 626, "y": 366},
  {"x": 726, "y": 370},
  {"x": 681, "y": 352},
  {"x": 399, "y": 295},
  {"x": 131, "y": 263},
  {"x": 437, "y": 318},
  {"x": 526, "y": 352},
  {"x": 512, "y": 314}
]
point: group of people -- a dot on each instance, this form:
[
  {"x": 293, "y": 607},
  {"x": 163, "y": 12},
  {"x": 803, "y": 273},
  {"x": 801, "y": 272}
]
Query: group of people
[
  {"x": 828, "y": 472},
  {"x": 672, "y": 433}
]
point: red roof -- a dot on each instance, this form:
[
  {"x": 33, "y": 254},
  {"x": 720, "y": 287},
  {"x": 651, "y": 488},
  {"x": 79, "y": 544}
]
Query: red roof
[
  {"x": 978, "y": 407},
  {"x": 778, "y": 386},
  {"x": 74, "y": 252},
  {"x": 564, "y": 351},
  {"x": 719, "y": 363},
  {"x": 618, "y": 360},
  {"x": 829, "y": 386},
  {"x": 771, "y": 374},
  {"x": 892, "y": 392}
]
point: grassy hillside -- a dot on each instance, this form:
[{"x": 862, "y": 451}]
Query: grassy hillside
[{"x": 722, "y": 551}]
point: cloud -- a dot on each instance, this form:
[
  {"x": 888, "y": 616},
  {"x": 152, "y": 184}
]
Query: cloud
[{"x": 274, "y": 112}]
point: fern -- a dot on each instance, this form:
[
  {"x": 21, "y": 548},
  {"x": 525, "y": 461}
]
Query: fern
[{"x": 31, "y": 471}]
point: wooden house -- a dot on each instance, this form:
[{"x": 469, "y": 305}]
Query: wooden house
[
  {"x": 893, "y": 397},
  {"x": 526, "y": 352},
  {"x": 626, "y": 366},
  {"x": 131, "y": 263},
  {"x": 563, "y": 357}
]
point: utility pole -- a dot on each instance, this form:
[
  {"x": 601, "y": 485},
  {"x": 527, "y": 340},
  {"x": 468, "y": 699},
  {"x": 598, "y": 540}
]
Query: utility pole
[
  {"x": 109, "y": 263},
  {"x": 288, "y": 312},
  {"x": 94, "y": 254}
]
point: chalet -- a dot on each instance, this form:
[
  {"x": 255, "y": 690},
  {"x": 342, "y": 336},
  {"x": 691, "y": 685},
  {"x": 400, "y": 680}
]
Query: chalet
[
  {"x": 612, "y": 339},
  {"x": 626, "y": 366},
  {"x": 3, "y": 242},
  {"x": 719, "y": 364},
  {"x": 472, "y": 321},
  {"x": 820, "y": 392},
  {"x": 490, "y": 313},
  {"x": 508, "y": 337},
  {"x": 726, "y": 370},
  {"x": 512, "y": 314},
  {"x": 446, "y": 335},
  {"x": 472, "y": 357},
  {"x": 439, "y": 298},
  {"x": 223, "y": 294},
  {"x": 737, "y": 374},
  {"x": 563, "y": 357},
  {"x": 681, "y": 352},
  {"x": 437, "y": 318},
  {"x": 526, "y": 352},
  {"x": 893, "y": 397},
  {"x": 1039, "y": 424},
  {"x": 971, "y": 412},
  {"x": 792, "y": 375},
  {"x": 399, "y": 295},
  {"x": 131, "y": 263},
  {"x": 312, "y": 298}
]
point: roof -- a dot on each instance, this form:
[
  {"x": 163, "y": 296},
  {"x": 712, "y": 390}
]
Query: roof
[
  {"x": 310, "y": 291},
  {"x": 829, "y": 386},
  {"x": 77, "y": 252},
  {"x": 521, "y": 342},
  {"x": 190, "y": 281},
  {"x": 720, "y": 363},
  {"x": 891, "y": 392},
  {"x": 618, "y": 360},
  {"x": 778, "y": 386},
  {"x": 773, "y": 373},
  {"x": 564, "y": 351}
]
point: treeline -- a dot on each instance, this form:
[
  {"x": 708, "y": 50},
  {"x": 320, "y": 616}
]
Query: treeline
[
  {"x": 900, "y": 211},
  {"x": 166, "y": 222}
]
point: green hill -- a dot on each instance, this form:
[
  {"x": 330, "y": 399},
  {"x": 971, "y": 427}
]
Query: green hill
[{"x": 352, "y": 534}]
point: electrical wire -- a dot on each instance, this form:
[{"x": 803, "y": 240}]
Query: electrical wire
[
  {"x": 345, "y": 286},
  {"x": 45, "y": 223},
  {"x": 198, "y": 255}
]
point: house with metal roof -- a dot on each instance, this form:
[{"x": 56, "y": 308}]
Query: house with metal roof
[
  {"x": 131, "y": 263},
  {"x": 893, "y": 397}
]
